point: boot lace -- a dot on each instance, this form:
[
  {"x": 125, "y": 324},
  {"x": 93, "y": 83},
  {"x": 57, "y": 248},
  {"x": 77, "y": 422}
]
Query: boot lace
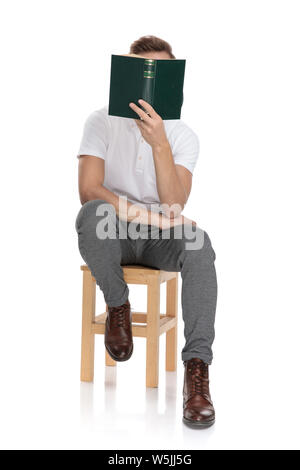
[
  {"x": 117, "y": 315},
  {"x": 199, "y": 377}
]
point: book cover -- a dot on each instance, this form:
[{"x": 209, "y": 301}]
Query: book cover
[{"x": 157, "y": 81}]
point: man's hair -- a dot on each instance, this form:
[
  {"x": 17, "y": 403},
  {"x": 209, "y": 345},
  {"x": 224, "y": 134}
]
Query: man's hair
[{"x": 149, "y": 44}]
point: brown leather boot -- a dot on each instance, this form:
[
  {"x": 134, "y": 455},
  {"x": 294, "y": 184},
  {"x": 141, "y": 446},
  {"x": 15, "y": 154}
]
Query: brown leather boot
[
  {"x": 198, "y": 409},
  {"x": 118, "y": 332}
]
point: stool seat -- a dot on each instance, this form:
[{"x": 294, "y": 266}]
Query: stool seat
[
  {"x": 149, "y": 325},
  {"x": 136, "y": 274}
]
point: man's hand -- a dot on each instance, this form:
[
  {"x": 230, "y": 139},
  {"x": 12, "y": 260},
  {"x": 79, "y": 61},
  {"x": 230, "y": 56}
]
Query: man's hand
[
  {"x": 151, "y": 126},
  {"x": 180, "y": 220}
]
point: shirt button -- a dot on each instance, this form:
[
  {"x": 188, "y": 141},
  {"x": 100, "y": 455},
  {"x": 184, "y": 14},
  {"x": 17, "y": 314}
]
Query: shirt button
[{"x": 140, "y": 158}]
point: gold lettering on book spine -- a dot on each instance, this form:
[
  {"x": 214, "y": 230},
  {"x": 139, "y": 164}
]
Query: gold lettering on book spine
[{"x": 149, "y": 68}]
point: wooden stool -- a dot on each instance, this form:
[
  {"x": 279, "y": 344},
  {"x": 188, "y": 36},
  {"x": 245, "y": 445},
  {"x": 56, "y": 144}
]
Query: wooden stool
[{"x": 149, "y": 325}]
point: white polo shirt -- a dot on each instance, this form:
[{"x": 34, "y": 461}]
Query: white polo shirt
[{"x": 129, "y": 165}]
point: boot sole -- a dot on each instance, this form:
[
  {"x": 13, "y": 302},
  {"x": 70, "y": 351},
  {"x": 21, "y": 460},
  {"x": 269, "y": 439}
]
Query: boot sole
[
  {"x": 115, "y": 358},
  {"x": 197, "y": 424}
]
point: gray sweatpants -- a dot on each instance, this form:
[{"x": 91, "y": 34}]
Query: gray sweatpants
[{"x": 167, "y": 250}]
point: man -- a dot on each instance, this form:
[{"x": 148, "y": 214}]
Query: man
[{"x": 139, "y": 172}]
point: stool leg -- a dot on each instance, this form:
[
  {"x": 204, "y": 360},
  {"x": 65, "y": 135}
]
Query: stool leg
[
  {"x": 88, "y": 317},
  {"x": 171, "y": 335},
  {"x": 109, "y": 361},
  {"x": 152, "y": 339}
]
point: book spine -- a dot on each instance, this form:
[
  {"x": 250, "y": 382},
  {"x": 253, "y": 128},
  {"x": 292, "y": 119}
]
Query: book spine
[{"x": 149, "y": 80}]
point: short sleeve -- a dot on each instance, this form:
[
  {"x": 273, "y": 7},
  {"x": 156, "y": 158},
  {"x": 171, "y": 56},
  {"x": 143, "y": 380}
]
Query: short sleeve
[
  {"x": 94, "y": 140},
  {"x": 186, "y": 147}
]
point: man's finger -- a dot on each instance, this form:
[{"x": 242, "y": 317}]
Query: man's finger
[
  {"x": 140, "y": 112},
  {"x": 148, "y": 107},
  {"x": 139, "y": 123}
]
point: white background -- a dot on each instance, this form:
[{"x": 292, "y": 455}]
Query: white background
[{"x": 242, "y": 98}]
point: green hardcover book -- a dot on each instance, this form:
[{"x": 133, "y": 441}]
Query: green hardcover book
[{"x": 157, "y": 81}]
